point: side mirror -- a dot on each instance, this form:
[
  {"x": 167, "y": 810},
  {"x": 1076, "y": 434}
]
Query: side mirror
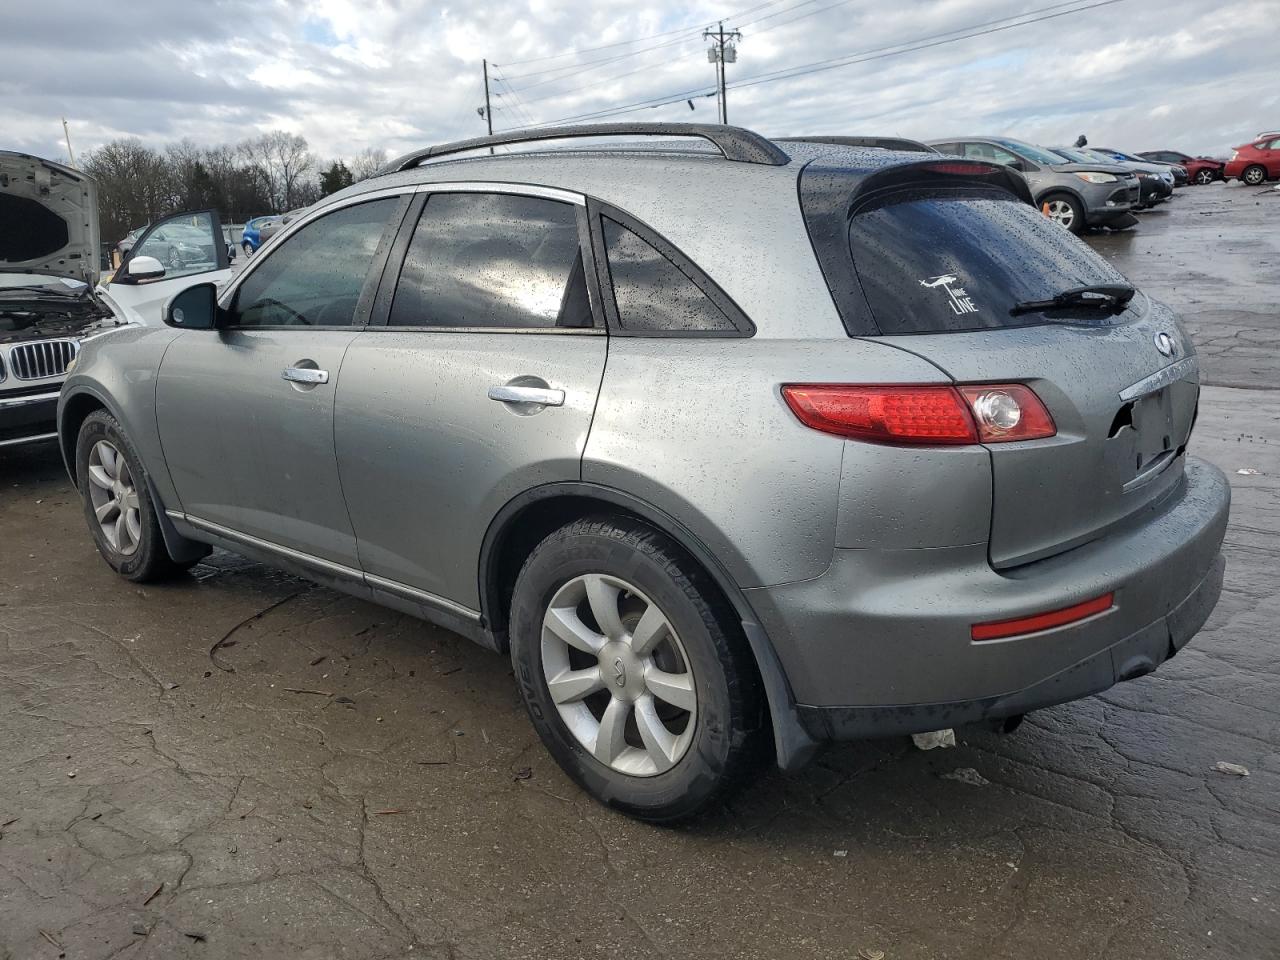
[
  {"x": 144, "y": 268},
  {"x": 195, "y": 308}
]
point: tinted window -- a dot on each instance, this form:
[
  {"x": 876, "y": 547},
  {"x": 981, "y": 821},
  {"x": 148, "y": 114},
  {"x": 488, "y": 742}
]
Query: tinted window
[
  {"x": 652, "y": 293},
  {"x": 992, "y": 153},
  {"x": 315, "y": 277},
  {"x": 493, "y": 260},
  {"x": 932, "y": 260},
  {"x": 185, "y": 245}
]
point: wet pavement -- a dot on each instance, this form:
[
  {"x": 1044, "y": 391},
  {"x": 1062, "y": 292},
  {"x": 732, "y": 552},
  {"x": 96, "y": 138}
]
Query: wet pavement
[{"x": 339, "y": 781}]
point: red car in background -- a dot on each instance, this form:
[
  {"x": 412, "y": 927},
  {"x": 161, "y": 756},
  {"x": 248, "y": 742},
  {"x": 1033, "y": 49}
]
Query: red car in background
[
  {"x": 1255, "y": 163},
  {"x": 1200, "y": 170}
]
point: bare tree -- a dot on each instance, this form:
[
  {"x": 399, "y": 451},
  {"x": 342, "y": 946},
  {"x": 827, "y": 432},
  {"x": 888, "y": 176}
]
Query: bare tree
[
  {"x": 134, "y": 185},
  {"x": 365, "y": 164},
  {"x": 286, "y": 163}
]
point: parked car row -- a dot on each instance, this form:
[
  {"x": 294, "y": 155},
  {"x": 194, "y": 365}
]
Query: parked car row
[{"x": 859, "y": 544}]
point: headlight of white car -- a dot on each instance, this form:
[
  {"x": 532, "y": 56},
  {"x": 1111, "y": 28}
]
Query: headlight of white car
[{"x": 1097, "y": 177}]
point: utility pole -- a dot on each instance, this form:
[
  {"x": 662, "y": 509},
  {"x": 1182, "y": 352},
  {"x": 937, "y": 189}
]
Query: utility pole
[{"x": 723, "y": 49}]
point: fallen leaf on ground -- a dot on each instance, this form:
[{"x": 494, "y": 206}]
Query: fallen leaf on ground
[
  {"x": 966, "y": 775},
  {"x": 1232, "y": 769}
]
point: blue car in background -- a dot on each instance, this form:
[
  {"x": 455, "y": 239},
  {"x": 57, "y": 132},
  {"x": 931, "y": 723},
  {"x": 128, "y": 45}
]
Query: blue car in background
[{"x": 251, "y": 239}]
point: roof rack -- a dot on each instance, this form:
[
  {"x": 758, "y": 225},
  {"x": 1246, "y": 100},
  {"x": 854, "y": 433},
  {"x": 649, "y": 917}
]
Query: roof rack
[
  {"x": 735, "y": 143},
  {"x": 884, "y": 143}
]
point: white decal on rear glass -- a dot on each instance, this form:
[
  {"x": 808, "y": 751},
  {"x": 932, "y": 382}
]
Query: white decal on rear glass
[{"x": 960, "y": 302}]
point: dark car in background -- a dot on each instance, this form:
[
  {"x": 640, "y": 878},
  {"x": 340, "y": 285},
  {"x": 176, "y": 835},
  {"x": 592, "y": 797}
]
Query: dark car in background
[
  {"x": 1255, "y": 163},
  {"x": 1155, "y": 182},
  {"x": 1075, "y": 195},
  {"x": 1201, "y": 170}
]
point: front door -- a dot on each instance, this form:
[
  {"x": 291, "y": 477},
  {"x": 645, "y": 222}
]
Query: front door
[
  {"x": 480, "y": 385},
  {"x": 191, "y": 250},
  {"x": 246, "y": 411}
]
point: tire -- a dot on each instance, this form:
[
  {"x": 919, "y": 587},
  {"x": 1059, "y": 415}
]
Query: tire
[
  {"x": 1254, "y": 175},
  {"x": 1203, "y": 177},
  {"x": 248, "y": 250},
  {"x": 135, "y": 548},
  {"x": 686, "y": 712},
  {"x": 1064, "y": 210},
  {"x": 173, "y": 259}
]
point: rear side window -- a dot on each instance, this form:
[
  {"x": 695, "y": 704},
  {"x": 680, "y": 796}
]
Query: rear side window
[
  {"x": 493, "y": 260},
  {"x": 932, "y": 261},
  {"x": 652, "y": 293}
]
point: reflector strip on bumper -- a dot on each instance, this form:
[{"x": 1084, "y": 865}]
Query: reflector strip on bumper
[{"x": 1041, "y": 621}]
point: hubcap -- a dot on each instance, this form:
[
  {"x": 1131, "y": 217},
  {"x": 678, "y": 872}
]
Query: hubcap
[
  {"x": 619, "y": 675},
  {"x": 114, "y": 498},
  {"x": 1060, "y": 212}
]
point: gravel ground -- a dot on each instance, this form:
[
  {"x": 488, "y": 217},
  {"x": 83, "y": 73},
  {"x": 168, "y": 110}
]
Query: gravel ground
[{"x": 338, "y": 781}]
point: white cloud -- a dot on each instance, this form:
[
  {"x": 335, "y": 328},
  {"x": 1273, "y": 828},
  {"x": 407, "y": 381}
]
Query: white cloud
[{"x": 349, "y": 74}]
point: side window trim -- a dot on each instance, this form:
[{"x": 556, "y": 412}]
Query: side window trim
[
  {"x": 364, "y": 305},
  {"x": 596, "y": 209},
  {"x": 381, "y": 312}
]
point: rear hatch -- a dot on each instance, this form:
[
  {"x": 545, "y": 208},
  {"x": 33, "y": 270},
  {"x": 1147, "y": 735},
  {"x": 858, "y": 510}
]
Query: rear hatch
[{"x": 940, "y": 263}]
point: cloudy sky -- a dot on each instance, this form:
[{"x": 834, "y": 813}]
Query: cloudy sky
[{"x": 351, "y": 74}]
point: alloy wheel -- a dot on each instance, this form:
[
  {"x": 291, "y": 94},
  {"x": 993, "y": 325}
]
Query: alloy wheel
[
  {"x": 619, "y": 675},
  {"x": 115, "y": 498},
  {"x": 1254, "y": 176},
  {"x": 1062, "y": 213},
  {"x": 1204, "y": 177}
]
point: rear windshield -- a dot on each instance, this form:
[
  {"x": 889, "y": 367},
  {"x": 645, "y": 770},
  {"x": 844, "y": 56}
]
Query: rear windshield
[{"x": 936, "y": 261}]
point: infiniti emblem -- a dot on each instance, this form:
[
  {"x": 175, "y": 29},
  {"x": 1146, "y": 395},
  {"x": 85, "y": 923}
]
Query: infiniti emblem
[
  {"x": 1165, "y": 344},
  {"x": 619, "y": 673}
]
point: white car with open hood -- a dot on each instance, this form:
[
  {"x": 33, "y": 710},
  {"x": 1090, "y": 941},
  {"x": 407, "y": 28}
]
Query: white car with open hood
[{"x": 51, "y": 294}]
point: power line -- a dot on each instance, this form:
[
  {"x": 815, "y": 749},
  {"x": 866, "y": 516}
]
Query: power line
[
  {"x": 924, "y": 43},
  {"x": 875, "y": 53},
  {"x": 623, "y": 43}
]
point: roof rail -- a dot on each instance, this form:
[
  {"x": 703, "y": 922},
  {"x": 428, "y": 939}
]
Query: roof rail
[
  {"x": 735, "y": 143},
  {"x": 884, "y": 143}
]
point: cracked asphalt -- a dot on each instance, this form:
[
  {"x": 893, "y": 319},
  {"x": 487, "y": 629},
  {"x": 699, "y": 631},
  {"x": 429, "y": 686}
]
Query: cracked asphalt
[{"x": 338, "y": 781}]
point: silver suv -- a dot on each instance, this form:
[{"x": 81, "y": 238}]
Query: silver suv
[{"x": 734, "y": 449}]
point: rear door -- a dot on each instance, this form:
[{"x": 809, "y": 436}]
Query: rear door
[
  {"x": 191, "y": 249},
  {"x": 942, "y": 271},
  {"x": 477, "y": 381}
]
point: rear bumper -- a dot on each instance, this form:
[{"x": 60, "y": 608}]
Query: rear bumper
[
  {"x": 28, "y": 418},
  {"x": 880, "y": 643}
]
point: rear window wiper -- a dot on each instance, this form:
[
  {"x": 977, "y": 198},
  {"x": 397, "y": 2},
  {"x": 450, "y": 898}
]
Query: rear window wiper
[{"x": 1112, "y": 296}]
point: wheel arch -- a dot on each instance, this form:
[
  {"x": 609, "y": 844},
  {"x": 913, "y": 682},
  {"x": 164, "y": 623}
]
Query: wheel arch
[
  {"x": 1075, "y": 195},
  {"x": 526, "y": 519}
]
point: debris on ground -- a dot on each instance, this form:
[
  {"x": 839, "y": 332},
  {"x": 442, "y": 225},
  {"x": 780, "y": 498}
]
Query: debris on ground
[
  {"x": 524, "y": 773},
  {"x": 1231, "y": 769},
  {"x": 839, "y": 853},
  {"x": 966, "y": 775},
  {"x": 866, "y": 953},
  {"x": 317, "y": 693},
  {"x": 934, "y": 739},
  {"x": 154, "y": 893},
  {"x": 195, "y": 937},
  {"x": 1249, "y": 472}
]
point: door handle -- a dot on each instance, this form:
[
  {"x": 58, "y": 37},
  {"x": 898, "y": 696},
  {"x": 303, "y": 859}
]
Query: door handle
[
  {"x": 540, "y": 395},
  {"x": 304, "y": 375}
]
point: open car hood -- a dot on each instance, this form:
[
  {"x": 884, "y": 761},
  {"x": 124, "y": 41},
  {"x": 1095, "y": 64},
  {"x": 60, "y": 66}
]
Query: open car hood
[{"x": 50, "y": 217}]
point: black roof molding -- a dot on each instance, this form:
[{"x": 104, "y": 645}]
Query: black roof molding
[{"x": 734, "y": 143}]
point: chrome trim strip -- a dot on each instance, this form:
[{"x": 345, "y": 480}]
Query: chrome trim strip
[
  {"x": 421, "y": 596},
  {"x": 487, "y": 186},
  {"x": 1161, "y": 378},
  {"x": 342, "y": 570},
  {"x": 6, "y": 402},
  {"x": 21, "y": 440}
]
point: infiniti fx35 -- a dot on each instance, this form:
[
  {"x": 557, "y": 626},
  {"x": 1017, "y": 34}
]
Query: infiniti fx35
[{"x": 733, "y": 449}]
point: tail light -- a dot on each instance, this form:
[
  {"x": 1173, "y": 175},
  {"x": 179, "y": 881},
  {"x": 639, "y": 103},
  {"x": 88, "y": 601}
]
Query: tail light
[
  {"x": 1000, "y": 629},
  {"x": 921, "y": 414}
]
